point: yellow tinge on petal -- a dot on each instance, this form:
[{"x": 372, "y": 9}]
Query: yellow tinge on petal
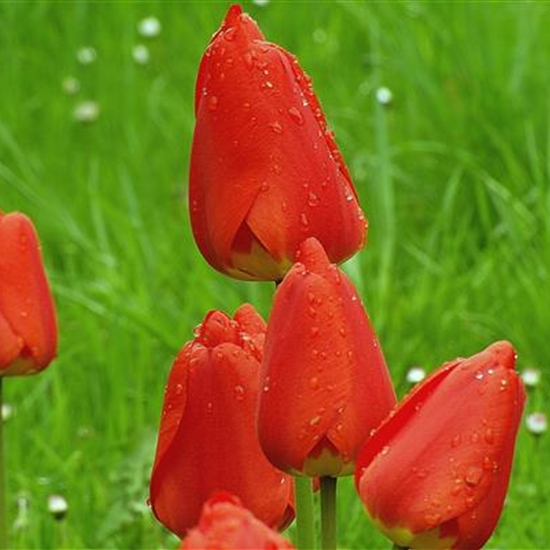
[
  {"x": 405, "y": 538},
  {"x": 257, "y": 264},
  {"x": 327, "y": 462}
]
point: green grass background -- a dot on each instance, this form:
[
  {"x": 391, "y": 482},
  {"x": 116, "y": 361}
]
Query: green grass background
[{"x": 454, "y": 176}]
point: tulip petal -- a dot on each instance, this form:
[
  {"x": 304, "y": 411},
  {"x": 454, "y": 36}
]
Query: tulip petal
[
  {"x": 323, "y": 371},
  {"x": 10, "y": 344},
  {"x": 207, "y": 441},
  {"x": 262, "y": 149},
  {"x": 25, "y": 298},
  {"x": 445, "y": 448}
]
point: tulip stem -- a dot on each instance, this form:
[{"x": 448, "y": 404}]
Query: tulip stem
[
  {"x": 328, "y": 513},
  {"x": 304, "y": 513},
  {"x": 3, "y": 519}
]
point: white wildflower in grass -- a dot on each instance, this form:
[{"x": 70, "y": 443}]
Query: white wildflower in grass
[
  {"x": 86, "y": 55},
  {"x": 149, "y": 27},
  {"x": 384, "y": 95},
  {"x": 260, "y": 3},
  {"x": 140, "y": 53},
  {"x": 415, "y": 375},
  {"x": 7, "y": 411},
  {"x": 86, "y": 111},
  {"x": 57, "y": 506},
  {"x": 319, "y": 36},
  {"x": 536, "y": 423},
  {"x": 70, "y": 85},
  {"x": 22, "y": 519},
  {"x": 531, "y": 377}
]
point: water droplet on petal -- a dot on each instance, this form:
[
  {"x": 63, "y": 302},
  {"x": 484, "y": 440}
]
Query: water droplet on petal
[
  {"x": 304, "y": 221},
  {"x": 313, "y": 199},
  {"x": 314, "y": 383},
  {"x": 229, "y": 34},
  {"x": 276, "y": 127},
  {"x": 314, "y": 331},
  {"x": 212, "y": 103},
  {"x": 455, "y": 442},
  {"x": 314, "y": 421},
  {"x": 296, "y": 116},
  {"x": 489, "y": 436},
  {"x": 473, "y": 476},
  {"x": 239, "y": 392}
]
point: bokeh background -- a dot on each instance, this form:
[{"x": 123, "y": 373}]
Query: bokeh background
[{"x": 442, "y": 112}]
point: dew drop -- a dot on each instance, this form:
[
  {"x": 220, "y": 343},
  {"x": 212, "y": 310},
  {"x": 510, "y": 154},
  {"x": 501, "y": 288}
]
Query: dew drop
[
  {"x": 473, "y": 476},
  {"x": 489, "y": 436},
  {"x": 212, "y": 103},
  {"x": 284, "y": 206},
  {"x": 314, "y": 421},
  {"x": 276, "y": 127},
  {"x": 264, "y": 187},
  {"x": 239, "y": 392},
  {"x": 455, "y": 442},
  {"x": 312, "y": 199},
  {"x": 229, "y": 34},
  {"x": 296, "y": 115},
  {"x": 479, "y": 376},
  {"x": 314, "y": 331},
  {"x": 343, "y": 332},
  {"x": 209, "y": 407},
  {"x": 179, "y": 389},
  {"x": 385, "y": 450},
  {"x": 304, "y": 221}
]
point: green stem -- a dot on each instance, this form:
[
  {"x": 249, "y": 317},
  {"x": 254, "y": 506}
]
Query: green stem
[
  {"x": 304, "y": 513},
  {"x": 328, "y": 513},
  {"x": 3, "y": 510}
]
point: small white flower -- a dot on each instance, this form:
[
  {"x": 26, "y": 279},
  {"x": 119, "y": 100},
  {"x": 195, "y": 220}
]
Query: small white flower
[
  {"x": 319, "y": 36},
  {"x": 415, "y": 375},
  {"x": 22, "y": 519},
  {"x": 86, "y": 55},
  {"x": 384, "y": 95},
  {"x": 149, "y": 27},
  {"x": 536, "y": 423},
  {"x": 57, "y": 506},
  {"x": 86, "y": 111},
  {"x": 140, "y": 53},
  {"x": 260, "y": 3},
  {"x": 7, "y": 411},
  {"x": 70, "y": 85},
  {"x": 531, "y": 377}
]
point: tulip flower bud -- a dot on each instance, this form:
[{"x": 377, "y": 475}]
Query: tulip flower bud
[
  {"x": 28, "y": 330},
  {"x": 224, "y": 523},
  {"x": 325, "y": 381},
  {"x": 207, "y": 440},
  {"x": 435, "y": 473},
  {"x": 265, "y": 172}
]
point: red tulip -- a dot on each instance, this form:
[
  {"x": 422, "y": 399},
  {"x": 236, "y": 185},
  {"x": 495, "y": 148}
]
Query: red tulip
[
  {"x": 325, "y": 381},
  {"x": 28, "y": 330},
  {"x": 225, "y": 525},
  {"x": 266, "y": 172},
  {"x": 435, "y": 473},
  {"x": 207, "y": 440}
]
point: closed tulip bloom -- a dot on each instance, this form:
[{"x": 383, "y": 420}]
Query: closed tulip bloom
[
  {"x": 226, "y": 525},
  {"x": 436, "y": 472},
  {"x": 28, "y": 329},
  {"x": 207, "y": 440},
  {"x": 325, "y": 381},
  {"x": 266, "y": 172}
]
